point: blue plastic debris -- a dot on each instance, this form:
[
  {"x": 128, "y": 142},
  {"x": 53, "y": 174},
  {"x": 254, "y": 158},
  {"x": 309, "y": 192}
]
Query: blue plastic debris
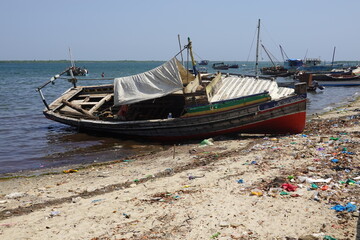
[
  {"x": 240, "y": 181},
  {"x": 348, "y": 207},
  {"x": 338, "y": 208},
  {"x": 335, "y": 160}
]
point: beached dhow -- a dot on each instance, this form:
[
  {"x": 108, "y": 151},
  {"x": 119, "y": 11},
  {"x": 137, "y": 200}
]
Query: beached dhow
[{"x": 170, "y": 103}]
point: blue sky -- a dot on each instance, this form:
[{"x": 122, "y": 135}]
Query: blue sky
[{"x": 148, "y": 29}]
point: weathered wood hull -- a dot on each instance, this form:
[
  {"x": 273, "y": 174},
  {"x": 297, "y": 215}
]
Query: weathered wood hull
[
  {"x": 272, "y": 117},
  {"x": 340, "y": 81}
]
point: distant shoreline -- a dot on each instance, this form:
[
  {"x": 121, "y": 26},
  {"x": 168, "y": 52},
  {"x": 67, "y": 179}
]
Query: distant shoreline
[
  {"x": 59, "y": 61},
  {"x": 66, "y": 61}
]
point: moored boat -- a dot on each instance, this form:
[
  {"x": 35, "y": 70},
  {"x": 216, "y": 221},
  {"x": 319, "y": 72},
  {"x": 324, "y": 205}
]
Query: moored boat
[
  {"x": 234, "y": 66},
  {"x": 220, "y": 66},
  {"x": 204, "y": 62},
  {"x": 337, "y": 77},
  {"x": 76, "y": 71},
  {"x": 340, "y": 80},
  {"x": 292, "y": 65},
  {"x": 275, "y": 71},
  {"x": 314, "y": 65},
  {"x": 168, "y": 103}
]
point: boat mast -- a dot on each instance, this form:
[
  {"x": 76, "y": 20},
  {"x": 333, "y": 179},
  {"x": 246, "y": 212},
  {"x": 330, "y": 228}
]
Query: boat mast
[
  {"x": 192, "y": 57},
  {"x": 71, "y": 59},
  {"x": 257, "y": 50},
  {"x": 182, "y": 59},
  {"x": 332, "y": 62}
]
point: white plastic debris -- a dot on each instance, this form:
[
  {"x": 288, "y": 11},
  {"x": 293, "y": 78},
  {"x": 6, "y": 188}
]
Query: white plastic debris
[
  {"x": 312, "y": 180},
  {"x": 15, "y": 195}
]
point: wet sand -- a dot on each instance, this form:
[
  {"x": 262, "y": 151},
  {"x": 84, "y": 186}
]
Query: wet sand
[{"x": 237, "y": 188}]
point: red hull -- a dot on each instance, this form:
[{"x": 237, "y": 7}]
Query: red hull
[{"x": 289, "y": 124}]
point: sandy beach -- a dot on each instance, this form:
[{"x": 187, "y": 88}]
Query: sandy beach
[{"x": 304, "y": 186}]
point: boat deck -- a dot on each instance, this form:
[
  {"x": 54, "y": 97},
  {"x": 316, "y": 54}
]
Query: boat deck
[{"x": 82, "y": 101}]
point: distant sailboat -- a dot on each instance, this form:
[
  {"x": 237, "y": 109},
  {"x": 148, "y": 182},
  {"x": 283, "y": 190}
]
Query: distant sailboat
[{"x": 75, "y": 71}]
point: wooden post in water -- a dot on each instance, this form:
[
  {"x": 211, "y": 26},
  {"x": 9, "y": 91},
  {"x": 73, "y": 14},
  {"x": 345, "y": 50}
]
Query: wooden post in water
[
  {"x": 300, "y": 88},
  {"x": 332, "y": 62}
]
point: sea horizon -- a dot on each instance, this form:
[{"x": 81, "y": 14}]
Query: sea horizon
[{"x": 133, "y": 60}]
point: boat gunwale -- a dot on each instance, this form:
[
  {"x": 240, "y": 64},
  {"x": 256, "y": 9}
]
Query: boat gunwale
[{"x": 116, "y": 122}]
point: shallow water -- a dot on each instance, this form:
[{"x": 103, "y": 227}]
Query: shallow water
[{"x": 29, "y": 141}]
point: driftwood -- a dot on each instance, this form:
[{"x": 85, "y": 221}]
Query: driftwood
[{"x": 78, "y": 108}]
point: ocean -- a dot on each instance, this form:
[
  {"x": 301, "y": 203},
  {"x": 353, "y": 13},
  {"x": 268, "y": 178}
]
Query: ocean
[{"x": 29, "y": 141}]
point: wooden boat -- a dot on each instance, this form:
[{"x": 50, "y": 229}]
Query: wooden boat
[
  {"x": 275, "y": 71},
  {"x": 355, "y": 70},
  {"x": 292, "y": 65},
  {"x": 234, "y": 66},
  {"x": 336, "y": 77},
  {"x": 314, "y": 65},
  {"x": 340, "y": 80},
  {"x": 171, "y": 104},
  {"x": 220, "y": 66},
  {"x": 76, "y": 71},
  {"x": 310, "y": 65},
  {"x": 204, "y": 62}
]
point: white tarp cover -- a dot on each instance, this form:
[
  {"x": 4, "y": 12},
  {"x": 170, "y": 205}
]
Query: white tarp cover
[
  {"x": 155, "y": 83},
  {"x": 237, "y": 86}
]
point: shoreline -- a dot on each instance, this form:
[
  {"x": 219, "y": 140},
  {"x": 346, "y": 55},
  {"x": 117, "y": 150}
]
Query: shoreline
[
  {"x": 229, "y": 190},
  {"x": 59, "y": 169}
]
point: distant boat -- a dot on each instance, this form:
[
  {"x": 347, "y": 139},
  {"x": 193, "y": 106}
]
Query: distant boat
[
  {"x": 314, "y": 65},
  {"x": 275, "y": 71},
  {"x": 76, "y": 71},
  {"x": 220, "y": 66},
  {"x": 292, "y": 64},
  {"x": 355, "y": 70},
  {"x": 204, "y": 62},
  {"x": 234, "y": 66},
  {"x": 199, "y": 70},
  {"x": 73, "y": 70},
  {"x": 335, "y": 73},
  {"x": 338, "y": 77},
  {"x": 335, "y": 80}
]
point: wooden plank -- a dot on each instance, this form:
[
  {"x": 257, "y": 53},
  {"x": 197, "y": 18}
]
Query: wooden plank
[
  {"x": 213, "y": 86},
  {"x": 77, "y": 108},
  {"x": 100, "y": 103},
  {"x": 68, "y": 95},
  {"x": 93, "y": 95},
  {"x": 82, "y": 103}
]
